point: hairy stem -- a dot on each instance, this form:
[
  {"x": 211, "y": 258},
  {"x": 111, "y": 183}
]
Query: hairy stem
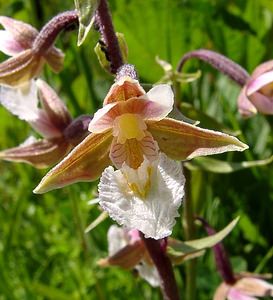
[
  {"x": 104, "y": 21},
  {"x": 49, "y": 32},
  {"x": 164, "y": 267},
  {"x": 219, "y": 62}
]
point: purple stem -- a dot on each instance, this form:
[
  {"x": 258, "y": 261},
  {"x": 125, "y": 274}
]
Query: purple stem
[
  {"x": 221, "y": 257},
  {"x": 157, "y": 252},
  {"x": 219, "y": 62},
  {"x": 104, "y": 21},
  {"x": 49, "y": 32}
]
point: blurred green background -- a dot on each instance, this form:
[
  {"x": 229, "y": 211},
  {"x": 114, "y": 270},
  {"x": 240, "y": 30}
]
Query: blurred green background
[{"x": 44, "y": 252}]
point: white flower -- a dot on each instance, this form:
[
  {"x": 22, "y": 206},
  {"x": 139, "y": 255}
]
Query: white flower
[{"x": 146, "y": 199}]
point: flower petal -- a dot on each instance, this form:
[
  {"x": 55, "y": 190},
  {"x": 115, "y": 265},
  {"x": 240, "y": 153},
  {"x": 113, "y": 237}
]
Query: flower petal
[
  {"x": 163, "y": 95},
  {"x": 246, "y": 108},
  {"x": 262, "y": 68},
  {"x": 125, "y": 88},
  {"x": 221, "y": 292},
  {"x": 149, "y": 273},
  {"x": 40, "y": 154},
  {"x": 20, "y": 68},
  {"x": 256, "y": 84},
  {"x": 181, "y": 141},
  {"x": 84, "y": 163},
  {"x": 53, "y": 105},
  {"x": 154, "y": 215},
  {"x": 234, "y": 294},
  {"x": 8, "y": 45},
  {"x": 262, "y": 103},
  {"x": 55, "y": 59},
  {"x": 132, "y": 151},
  {"x": 22, "y": 101},
  {"x": 103, "y": 119},
  {"x": 22, "y": 32},
  {"x": 254, "y": 287}
]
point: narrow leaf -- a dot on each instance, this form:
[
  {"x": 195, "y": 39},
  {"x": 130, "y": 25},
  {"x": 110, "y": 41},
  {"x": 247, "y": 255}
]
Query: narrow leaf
[
  {"x": 224, "y": 167},
  {"x": 178, "y": 249}
]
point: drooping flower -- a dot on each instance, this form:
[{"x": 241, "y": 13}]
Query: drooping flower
[
  {"x": 246, "y": 287},
  {"x": 127, "y": 250},
  {"x": 30, "y": 49},
  {"x": 131, "y": 126},
  {"x": 52, "y": 121},
  {"x": 257, "y": 94}
]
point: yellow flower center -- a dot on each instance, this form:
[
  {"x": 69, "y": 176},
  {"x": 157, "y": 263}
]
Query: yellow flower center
[{"x": 129, "y": 126}]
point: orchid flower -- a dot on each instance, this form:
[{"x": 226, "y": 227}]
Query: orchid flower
[
  {"x": 246, "y": 287},
  {"x": 133, "y": 126},
  {"x": 51, "y": 121},
  {"x": 257, "y": 94},
  {"x": 127, "y": 250},
  {"x": 30, "y": 49}
]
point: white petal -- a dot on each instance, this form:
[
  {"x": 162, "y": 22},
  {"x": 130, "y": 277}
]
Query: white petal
[
  {"x": 163, "y": 95},
  {"x": 30, "y": 140},
  {"x": 149, "y": 273},
  {"x": 154, "y": 215},
  {"x": 116, "y": 237},
  {"x": 8, "y": 44},
  {"x": 21, "y": 101}
]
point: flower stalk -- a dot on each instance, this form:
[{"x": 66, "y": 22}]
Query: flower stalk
[
  {"x": 157, "y": 251},
  {"x": 49, "y": 32},
  {"x": 219, "y": 62},
  {"x": 106, "y": 28}
]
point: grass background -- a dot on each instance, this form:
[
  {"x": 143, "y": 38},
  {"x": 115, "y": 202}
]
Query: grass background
[{"x": 44, "y": 253}]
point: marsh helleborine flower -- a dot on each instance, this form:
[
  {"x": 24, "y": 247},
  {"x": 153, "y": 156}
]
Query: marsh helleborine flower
[
  {"x": 127, "y": 250},
  {"x": 257, "y": 94},
  {"x": 133, "y": 126},
  {"x": 133, "y": 133},
  {"x": 52, "y": 121}
]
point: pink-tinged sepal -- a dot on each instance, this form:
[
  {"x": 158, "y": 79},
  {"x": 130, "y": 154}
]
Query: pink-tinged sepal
[
  {"x": 54, "y": 107},
  {"x": 55, "y": 59},
  {"x": 182, "y": 141},
  {"x": 246, "y": 108},
  {"x": 85, "y": 162},
  {"x": 40, "y": 154},
  {"x": 21, "y": 34}
]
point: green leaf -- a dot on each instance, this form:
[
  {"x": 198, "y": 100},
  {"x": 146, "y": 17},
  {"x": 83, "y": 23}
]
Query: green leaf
[
  {"x": 178, "y": 250},
  {"x": 86, "y": 10},
  {"x": 224, "y": 167}
]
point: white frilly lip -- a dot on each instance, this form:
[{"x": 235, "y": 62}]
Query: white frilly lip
[{"x": 155, "y": 215}]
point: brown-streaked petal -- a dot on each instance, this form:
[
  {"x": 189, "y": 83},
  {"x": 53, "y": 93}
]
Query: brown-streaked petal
[
  {"x": 181, "y": 141},
  {"x": 53, "y": 105},
  {"x": 40, "y": 154},
  {"x": 22, "y": 32},
  {"x": 20, "y": 68},
  {"x": 55, "y": 59},
  {"x": 84, "y": 163},
  {"x": 254, "y": 287},
  {"x": 221, "y": 292},
  {"x": 127, "y": 257},
  {"x": 125, "y": 88}
]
